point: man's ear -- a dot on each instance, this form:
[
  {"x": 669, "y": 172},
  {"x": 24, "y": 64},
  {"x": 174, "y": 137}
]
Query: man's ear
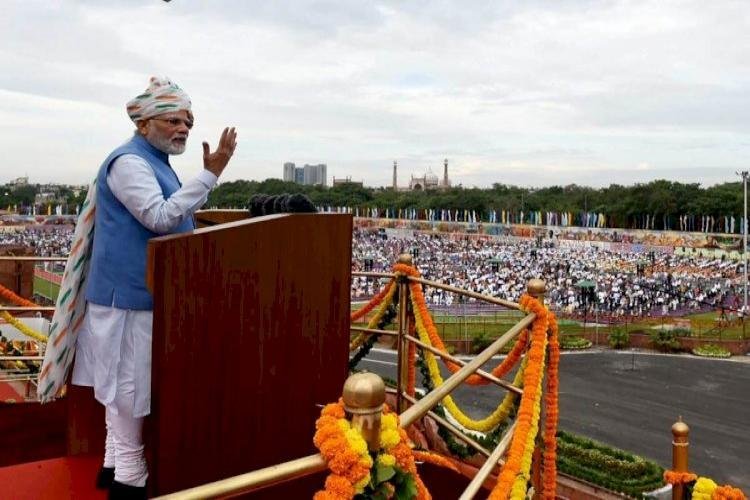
[{"x": 142, "y": 126}]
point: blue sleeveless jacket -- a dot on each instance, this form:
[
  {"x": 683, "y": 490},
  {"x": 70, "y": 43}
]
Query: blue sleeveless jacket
[{"x": 117, "y": 274}]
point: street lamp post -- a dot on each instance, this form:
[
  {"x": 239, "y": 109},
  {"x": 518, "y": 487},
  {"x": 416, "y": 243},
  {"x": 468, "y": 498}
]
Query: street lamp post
[{"x": 744, "y": 175}]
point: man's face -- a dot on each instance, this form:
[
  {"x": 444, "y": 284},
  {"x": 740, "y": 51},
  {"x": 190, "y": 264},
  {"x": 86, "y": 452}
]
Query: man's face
[{"x": 168, "y": 132}]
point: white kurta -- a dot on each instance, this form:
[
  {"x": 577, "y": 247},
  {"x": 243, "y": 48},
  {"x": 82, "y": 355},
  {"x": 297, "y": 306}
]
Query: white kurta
[{"x": 113, "y": 350}]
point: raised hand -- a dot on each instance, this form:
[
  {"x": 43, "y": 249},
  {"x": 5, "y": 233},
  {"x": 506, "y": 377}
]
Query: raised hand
[{"x": 217, "y": 161}]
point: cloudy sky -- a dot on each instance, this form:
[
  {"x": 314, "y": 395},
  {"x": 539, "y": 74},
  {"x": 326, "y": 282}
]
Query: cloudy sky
[{"x": 530, "y": 93}]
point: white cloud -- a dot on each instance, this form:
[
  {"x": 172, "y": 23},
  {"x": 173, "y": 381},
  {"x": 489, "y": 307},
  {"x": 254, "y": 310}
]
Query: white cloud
[{"x": 531, "y": 93}]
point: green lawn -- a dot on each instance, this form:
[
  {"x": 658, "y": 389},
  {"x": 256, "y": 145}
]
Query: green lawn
[
  {"x": 493, "y": 325},
  {"x": 46, "y": 288}
]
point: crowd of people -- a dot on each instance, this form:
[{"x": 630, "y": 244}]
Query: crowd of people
[
  {"x": 51, "y": 241},
  {"x": 583, "y": 279},
  {"x": 579, "y": 280}
]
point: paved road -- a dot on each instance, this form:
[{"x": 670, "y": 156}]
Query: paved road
[{"x": 630, "y": 400}]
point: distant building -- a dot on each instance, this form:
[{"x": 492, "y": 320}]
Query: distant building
[
  {"x": 426, "y": 182},
  {"x": 18, "y": 182},
  {"x": 309, "y": 174},
  {"x": 51, "y": 194},
  {"x": 446, "y": 181},
  {"x": 346, "y": 181},
  {"x": 289, "y": 172},
  {"x": 299, "y": 175},
  {"x": 316, "y": 175}
]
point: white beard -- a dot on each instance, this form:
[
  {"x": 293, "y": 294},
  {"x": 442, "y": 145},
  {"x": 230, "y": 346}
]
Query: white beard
[{"x": 167, "y": 146}]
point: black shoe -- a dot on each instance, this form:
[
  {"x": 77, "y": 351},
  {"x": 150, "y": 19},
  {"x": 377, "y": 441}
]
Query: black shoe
[
  {"x": 119, "y": 491},
  {"x": 105, "y": 477}
]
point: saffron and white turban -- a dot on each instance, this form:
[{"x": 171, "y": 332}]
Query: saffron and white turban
[{"x": 161, "y": 96}]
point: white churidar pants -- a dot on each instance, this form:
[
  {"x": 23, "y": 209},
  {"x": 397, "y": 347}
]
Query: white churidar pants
[{"x": 113, "y": 355}]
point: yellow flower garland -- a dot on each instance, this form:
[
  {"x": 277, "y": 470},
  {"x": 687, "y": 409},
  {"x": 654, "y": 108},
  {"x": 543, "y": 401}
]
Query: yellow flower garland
[
  {"x": 29, "y": 332},
  {"x": 395, "y": 450},
  {"x": 360, "y": 339},
  {"x": 349, "y": 460},
  {"x": 499, "y": 415},
  {"x": 518, "y": 491},
  {"x": 345, "y": 451},
  {"x": 527, "y": 425},
  {"x": 704, "y": 489}
]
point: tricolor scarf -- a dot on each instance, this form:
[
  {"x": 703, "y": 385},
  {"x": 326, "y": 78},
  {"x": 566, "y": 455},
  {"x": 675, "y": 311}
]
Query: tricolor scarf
[{"x": 70, "y": 308}]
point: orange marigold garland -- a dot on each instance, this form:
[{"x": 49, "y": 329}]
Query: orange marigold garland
[
  {"x": 525, "y": 430},
  {"x": 421, "y": 308},
  {"x": 513, "y": 479},
  {"x": 674, "y": 477},
  {"x": 384, "y": 303},
  {"x": 11, "y": 296},
  {"x": 551, "y": 405},
  {"x": 511, "y": 359},
  {"x": 727, "y": 492},
  {"x": 349, "y": 463},
  {"x": 706, "y": 489},
  {"x": 377, "y": 299},
  {"x": 435, "y": 459},
  {"x": 424, "y": 314},
  {"x": 354, "y": 470},
  {"x": 400, "y": 450}
]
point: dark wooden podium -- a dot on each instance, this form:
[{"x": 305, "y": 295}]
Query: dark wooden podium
[{"x": 250, "y": 334}]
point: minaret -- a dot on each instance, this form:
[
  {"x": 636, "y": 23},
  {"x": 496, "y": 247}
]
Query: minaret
[
  {"x": 395, "y": 185},
  {"x": 445, "y": 173}
]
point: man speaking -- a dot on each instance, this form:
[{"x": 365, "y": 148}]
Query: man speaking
[{"x": 138, "y": 197}]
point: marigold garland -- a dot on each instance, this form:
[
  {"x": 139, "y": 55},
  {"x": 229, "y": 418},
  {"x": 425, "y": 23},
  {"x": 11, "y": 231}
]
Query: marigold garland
[
  {"x": 551, "y": 405},
  {"x": 377, "y": 299},
  {"x": 345, "y": 451},
  {"x": 435, "y": 459},
  {"x": 519, "y": 488},
  {"x": 727, "y": 492},
  {"x": 703, "y": 489},
  {"x": 514, "y": 477},
  {"x": 420, "y": 309},
  {"x": 674, "y": 477},
  {"x": 29, "y": 332},
  {"x": 522, "y": 443},
  {"x": 500, "y": 414},
  {"x": 400, "y": 449},
  {"x": 11, "y": 296},
  {"x": 390, "y": 291}
]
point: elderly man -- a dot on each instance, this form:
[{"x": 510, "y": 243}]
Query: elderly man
[{"x": 138, "y": 197}]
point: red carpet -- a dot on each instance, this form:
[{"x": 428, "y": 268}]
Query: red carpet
[
  {"x": 8, "y": 393},
  {"x": 57, "y": 478}
]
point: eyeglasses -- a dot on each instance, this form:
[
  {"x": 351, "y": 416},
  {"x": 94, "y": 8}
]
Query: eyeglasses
[{"x": 176, "y": 122}]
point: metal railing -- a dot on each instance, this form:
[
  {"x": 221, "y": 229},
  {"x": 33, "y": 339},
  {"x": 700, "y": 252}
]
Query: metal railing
[
  {"x": 262, "y": 478},
  {"x": 28, "y": 258},
  {"x": 304, "y": 466},
  {"x": 24, "y": 375},
  {"x": 32, "y": 258}
]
